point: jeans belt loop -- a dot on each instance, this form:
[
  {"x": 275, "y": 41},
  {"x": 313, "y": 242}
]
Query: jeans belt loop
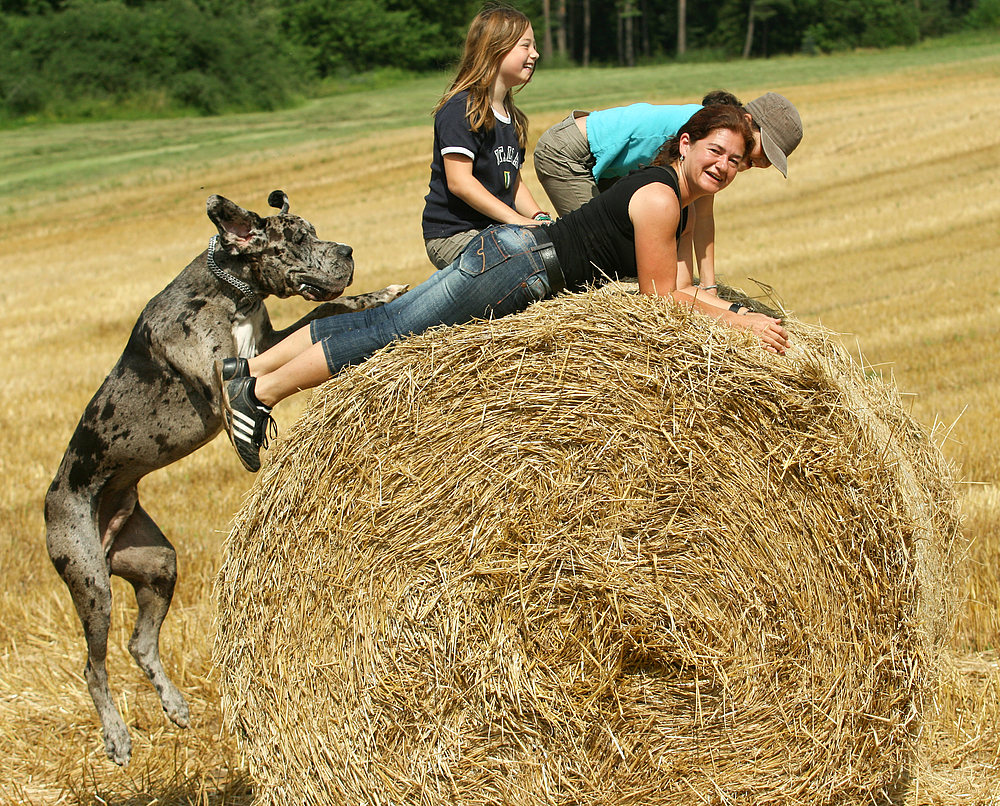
[{"x": 547, "y": 252}]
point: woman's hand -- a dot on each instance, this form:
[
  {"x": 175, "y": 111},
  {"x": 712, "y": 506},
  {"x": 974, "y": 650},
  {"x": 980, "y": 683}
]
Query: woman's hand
[{"x": 773, "y": 337}]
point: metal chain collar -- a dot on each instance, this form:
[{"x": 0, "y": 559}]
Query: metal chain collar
[{"x": 235, "y": 282}]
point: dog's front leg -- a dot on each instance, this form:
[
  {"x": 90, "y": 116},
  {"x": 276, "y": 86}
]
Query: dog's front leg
[{"x": 269, "y": 337}]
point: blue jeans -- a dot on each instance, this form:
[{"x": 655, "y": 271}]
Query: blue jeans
[{"x": 496, "y": 274}]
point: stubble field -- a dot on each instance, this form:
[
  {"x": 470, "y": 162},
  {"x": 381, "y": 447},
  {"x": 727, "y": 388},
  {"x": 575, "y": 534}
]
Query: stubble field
[{"x": 886, "y": 231}]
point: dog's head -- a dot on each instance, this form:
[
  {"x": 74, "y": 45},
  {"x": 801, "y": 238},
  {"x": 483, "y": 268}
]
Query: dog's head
[{"x": 281, "y": 254}]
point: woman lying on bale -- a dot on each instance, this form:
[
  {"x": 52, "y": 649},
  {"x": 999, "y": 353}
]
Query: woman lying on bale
[{"x": 632, "y": 230}]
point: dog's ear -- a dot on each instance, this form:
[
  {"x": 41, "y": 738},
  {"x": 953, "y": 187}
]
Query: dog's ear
[
  {"x": 278, "y": 199},
  {"x": 240, "y": 231}
]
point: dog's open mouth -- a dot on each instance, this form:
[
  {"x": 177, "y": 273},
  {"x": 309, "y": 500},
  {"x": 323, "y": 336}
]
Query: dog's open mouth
[{"x": 315, "y": 293}]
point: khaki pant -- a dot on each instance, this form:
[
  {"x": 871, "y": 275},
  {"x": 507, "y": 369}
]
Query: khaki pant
[
  {"x": 442, "y": 251},
  {"x": 563, "y": 164}
]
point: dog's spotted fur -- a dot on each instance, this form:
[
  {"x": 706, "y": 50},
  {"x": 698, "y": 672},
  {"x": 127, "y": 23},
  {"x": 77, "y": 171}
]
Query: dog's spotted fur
[{"x": 159, "y": 403}]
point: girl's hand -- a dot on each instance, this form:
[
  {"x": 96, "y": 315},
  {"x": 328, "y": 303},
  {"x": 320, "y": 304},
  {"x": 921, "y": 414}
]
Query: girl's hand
[
  {"x": 707, "y": 290},
  {"x": 773, "y": 337}
]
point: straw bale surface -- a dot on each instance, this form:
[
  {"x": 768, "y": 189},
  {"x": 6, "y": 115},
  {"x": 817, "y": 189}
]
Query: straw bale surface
[{"x": 605, "y": 551}]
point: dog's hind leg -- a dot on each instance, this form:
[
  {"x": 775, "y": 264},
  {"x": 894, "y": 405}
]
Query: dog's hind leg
[
  {"x": 75, "y": 549},
  {"x": 143, "y": 556}
]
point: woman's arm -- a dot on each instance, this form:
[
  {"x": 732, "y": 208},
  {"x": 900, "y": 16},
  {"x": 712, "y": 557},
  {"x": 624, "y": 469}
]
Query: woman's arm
[
  {"x": 704, "y": 241},
  {"x": 685, "y": 261},
  {"x": 461, "y": 182},
  {"x": 768, "y": 329},
  {"x": 655, "y": 212}
]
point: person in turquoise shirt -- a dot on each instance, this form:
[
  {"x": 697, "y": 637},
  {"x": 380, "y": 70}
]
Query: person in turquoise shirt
[
  {"x": 588, "y": 151},
  {"x": 625, "y": 137}
]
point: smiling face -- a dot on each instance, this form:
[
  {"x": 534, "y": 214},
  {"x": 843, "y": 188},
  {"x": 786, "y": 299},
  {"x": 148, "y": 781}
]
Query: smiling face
[
  {"x": 711, "y": 163},
  {"x": 517, "y": 67}
]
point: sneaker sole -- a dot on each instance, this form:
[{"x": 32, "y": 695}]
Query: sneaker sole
[{"x": 227, "y": 409}]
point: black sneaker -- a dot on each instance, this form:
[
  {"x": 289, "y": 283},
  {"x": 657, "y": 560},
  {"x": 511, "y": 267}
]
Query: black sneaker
[
  {"x": 234, "y": 368},
  {"x": 248, "y": 421}
]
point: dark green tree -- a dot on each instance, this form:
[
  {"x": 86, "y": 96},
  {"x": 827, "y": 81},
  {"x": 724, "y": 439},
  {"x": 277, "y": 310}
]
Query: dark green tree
[
  {"x": 984, "y": 14},
  {"x": 106, "y": 51},
  {"x": 343, "y": 36},
  {"x": 842, "y": 24}
]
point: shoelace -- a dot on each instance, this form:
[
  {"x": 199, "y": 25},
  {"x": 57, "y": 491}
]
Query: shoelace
[{"x": 265, "y": 429}]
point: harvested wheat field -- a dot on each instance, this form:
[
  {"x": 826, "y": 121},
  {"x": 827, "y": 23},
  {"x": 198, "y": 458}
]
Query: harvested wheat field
[
  {"x": 603, "y": 551},
  {"x": 884, "y": 232}
]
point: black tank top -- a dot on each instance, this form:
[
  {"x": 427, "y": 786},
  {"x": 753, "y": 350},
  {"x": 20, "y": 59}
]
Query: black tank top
[{"x": 597, "y": 242}]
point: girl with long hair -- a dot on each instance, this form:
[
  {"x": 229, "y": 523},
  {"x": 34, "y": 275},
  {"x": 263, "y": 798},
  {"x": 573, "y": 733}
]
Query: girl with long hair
[{"x": 480, "y": 138}]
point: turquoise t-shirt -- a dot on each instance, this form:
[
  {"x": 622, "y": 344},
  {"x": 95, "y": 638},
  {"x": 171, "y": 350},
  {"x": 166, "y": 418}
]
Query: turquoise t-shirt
[{"x": 627, "y": 137}]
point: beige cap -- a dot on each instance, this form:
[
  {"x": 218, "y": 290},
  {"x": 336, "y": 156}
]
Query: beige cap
[{"x": 780, "y": 127}]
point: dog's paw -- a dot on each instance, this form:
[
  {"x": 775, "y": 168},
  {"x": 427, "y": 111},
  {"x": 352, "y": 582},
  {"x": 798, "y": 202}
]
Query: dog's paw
[
  {"x": 118, "y": 744},
  {"x": 175, "y": 707},
  {"x": 390, "y": 292}
]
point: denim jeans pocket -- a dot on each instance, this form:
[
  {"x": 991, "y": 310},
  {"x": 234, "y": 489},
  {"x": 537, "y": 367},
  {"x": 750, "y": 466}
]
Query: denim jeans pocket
[
  {"x": 490, "y": 248},
  {"x": 533, "y": 288}
]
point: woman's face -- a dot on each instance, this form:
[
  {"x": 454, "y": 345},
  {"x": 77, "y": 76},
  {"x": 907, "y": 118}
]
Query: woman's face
[
  {"x": 519, "y": 63},
  {"x": 712, "y": 162}
]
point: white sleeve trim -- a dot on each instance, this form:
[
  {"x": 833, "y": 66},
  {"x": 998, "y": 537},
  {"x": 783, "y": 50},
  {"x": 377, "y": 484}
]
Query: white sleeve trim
[{"x": 458, "y": 150}]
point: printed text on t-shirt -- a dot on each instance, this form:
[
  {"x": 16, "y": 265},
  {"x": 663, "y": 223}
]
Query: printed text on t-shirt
[{"x": 507, "y": 154}]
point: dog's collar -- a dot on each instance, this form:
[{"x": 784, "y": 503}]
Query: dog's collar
[{"x": 248, "y": 293}]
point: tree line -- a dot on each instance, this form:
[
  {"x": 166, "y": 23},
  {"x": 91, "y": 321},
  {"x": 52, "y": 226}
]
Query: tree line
[{"x": 102, "y": 57}]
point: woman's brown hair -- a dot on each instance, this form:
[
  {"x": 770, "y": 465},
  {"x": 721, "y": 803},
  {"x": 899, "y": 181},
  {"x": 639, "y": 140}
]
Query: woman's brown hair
[
  {"x": 492, "y": 35},
  {"x": 702, "y": 123}
]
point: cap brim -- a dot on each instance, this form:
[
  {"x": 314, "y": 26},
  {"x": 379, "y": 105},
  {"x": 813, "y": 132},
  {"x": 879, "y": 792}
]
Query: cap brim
[{"x": 774, "y": 153}]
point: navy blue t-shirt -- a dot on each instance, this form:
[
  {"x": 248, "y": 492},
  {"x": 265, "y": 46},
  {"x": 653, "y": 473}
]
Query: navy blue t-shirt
[{"x": 496, "y": 162}]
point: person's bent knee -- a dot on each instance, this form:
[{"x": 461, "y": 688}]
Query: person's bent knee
[{"x": 443, "y": 251}]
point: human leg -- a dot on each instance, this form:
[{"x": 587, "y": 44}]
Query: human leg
[
  {"x": 304, "y": 370},
  {"x": 281, "y": 353},
  {"x": 500, "y": 272},
  {"x": 563, "y": 165},
  {"x": 298, "y": 362},
  {"x": 250, "y": 392}
]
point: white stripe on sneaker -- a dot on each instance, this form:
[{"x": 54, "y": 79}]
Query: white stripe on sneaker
[
  {"x": 243, "y": 433},
  {"x": 243, "y": 426},
  {"x": 239, "y": 415}
]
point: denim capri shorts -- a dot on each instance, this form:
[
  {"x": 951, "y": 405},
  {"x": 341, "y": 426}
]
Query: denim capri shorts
[{"x": 502, "y": 271}]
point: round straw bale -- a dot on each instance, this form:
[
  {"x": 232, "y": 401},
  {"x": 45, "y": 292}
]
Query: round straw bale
[{"x": 604, "y": 551}]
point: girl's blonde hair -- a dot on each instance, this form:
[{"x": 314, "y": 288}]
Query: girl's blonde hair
[{"x": 492, "y": 35}]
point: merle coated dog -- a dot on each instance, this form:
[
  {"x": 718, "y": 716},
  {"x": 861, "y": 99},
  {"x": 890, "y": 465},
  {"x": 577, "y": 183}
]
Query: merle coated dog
[{"x": 159, "y": 403}]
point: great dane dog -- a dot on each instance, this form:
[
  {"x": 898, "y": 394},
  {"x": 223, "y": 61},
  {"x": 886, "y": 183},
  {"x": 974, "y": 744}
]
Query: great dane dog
[{"x": 159, "y": 403}]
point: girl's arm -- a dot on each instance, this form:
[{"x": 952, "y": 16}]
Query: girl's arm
[
  {"x": 655, "y": 212},
  {"x": 461, "y": 182},
  {"x": 524, "y": 202}
]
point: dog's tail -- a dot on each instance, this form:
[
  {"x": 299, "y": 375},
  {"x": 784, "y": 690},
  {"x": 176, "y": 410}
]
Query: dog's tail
[{"x": 278, "y": 199}]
